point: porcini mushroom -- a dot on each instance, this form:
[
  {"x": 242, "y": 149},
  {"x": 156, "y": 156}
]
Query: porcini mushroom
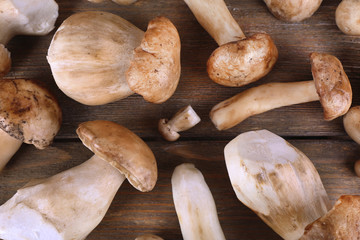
[
  {"x": 122, "y": 2},
  {"x": 347, "y": 17},
  {"x": 330, "y": 85},
  {"x": 293, "y": 10},
  {"x": 239, "y": 60},
  {"x": 96, "y": 69},
  {"x": 351, "y": 122},
  {"x": 28, "y": 113},
  {"x": 183, "y": 120},
  {"x": 277, "y": 181},
  {"x": 69, "y": 205},
  {"x": 194, "y": 204},
  {"x": 148, "y": 237},
  {"x": 18, "y": 17}
]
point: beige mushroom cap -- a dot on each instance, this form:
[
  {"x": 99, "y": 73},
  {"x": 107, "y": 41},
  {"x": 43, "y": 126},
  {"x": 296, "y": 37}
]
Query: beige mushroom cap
[
  {"x": 332, "y": 85},
  {"x": 348, "y": 17},
  {"x": 122, "y": 149},
  {"x": 5, "y": 61},
  {"x": 155, "y": 70},
  {"x": 293, "y": 10},
  {"x": 29, "y": 112},
  {"x": 341, "y": 222}
]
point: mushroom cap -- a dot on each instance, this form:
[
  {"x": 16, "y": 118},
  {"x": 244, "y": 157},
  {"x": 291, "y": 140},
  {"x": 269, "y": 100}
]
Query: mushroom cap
[
  {"x": 239, "y": 63},
  {"x": 5, "y": 61},
  {"x": 332, "y": 85},
  {"x": 348, "y": 17},
  {"x": 29, "y": 112},
  {"x": 351, "y": 122},
  {"x": 155, "y": 70},
  {"x": 293, "y": 10},
  {"x": 90, "y": 54},
  {"x": 123, "y": 149},
  {"x": 341, "y": 222}
]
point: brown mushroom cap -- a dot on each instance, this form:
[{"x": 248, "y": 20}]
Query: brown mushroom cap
[
  {"x": 239, "y": 63},
  {"x": 332, "y": 85},
  {"x": 341, "y": 222},
  {"x": 29, "y": 112},
  {"x": 5, "y": 61},
  {"x": 122, "y": 149},
  {"x": 155, "y": 70},
  {"x": 348, "y": 17}
]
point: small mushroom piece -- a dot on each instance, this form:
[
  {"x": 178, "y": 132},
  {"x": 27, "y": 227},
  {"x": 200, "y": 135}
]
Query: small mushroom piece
[
  {"x": 293, "y": 10},
  {"x": 194, "y": 204},
  {"x": 121, "y": 2},
  {"x": 330, "y": 85},
  {"x": 148, "y": 237},
  {"x": 96, "y": 69},
  {"x": 347, "y": 17},
  {"x": 183, "y": 120},
  {"x": 351, "y": 122},
  {"x": 277, "y": 181},
  {"x": 341, "y": 222},
  {"x": 18, "y": 17},
  {"x": 69, "y": 205},
  {"x": 238, "y": 60},
  {"x": 29, "y": 113}
]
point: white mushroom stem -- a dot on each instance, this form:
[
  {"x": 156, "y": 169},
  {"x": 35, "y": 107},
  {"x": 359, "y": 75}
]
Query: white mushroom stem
[
  {"x": 351, "y": 122},
  {"x": 260, "y": 99},
  {"x": 217, "y": 20},
  {"x": 8, "y": 147},
  {"x": 67, "y": 206},
  {"x": 194, "y": 204}
]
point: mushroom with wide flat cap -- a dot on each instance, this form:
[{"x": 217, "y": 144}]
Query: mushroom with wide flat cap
[
  {"x": 238, "y": 60},
  {"x": 347, "y": 17},
  {"x": 96, "y": 69},
  {"x": 330, "y": 85},
  {"x": 69, "y": 205},
  {"x": 29, "y": 113}
]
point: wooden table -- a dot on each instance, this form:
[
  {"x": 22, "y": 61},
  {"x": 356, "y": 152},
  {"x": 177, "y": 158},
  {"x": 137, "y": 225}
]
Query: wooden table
[{"x": 133, "y": 213}]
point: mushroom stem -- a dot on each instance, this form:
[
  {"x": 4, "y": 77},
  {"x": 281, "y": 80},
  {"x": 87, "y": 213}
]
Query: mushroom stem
[
  {"x": 217, "y": 20},
  {"x": 260, "y": 99},
  {"x": 8, "y": 147},
  {"x": 194, "y": 204},
  {"x": 68, "y": 205}
]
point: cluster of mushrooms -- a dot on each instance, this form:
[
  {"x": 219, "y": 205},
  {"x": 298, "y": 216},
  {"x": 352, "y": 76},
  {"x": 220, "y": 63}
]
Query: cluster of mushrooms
[{"x": 263, "y": 168}]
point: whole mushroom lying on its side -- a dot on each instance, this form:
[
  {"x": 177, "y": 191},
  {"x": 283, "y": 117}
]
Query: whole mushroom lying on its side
[
  {"x": 238, "y": 60},
  {"x": 96, "y": 69},
  {"x": 19, "y": 17},
  {"x": 69, "y": 205},
  {"x": 348, "y": 17}
]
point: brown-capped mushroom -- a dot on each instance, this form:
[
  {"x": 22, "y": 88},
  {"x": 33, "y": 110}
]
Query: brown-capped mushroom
[
  {"x": 69, "y": 205},
  {"x": 121, "y": 2},
  {"x": 239, "y": 60},
  {"x": 18, "y": 17},
  {"x": 183, "y": 120},
  {"x": 330, "y": 85},
  {"x": 351, "y": 122},
  {"x": 96, "y": 69},
  {"x": 348, "y": 17},
  {"x": 148, "y": 237},
  {"x": 293, "y": 10},
  {"x": 29, "y": 113}
]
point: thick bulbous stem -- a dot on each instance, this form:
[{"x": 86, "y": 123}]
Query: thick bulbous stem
[{"x": 8, "y": 147}]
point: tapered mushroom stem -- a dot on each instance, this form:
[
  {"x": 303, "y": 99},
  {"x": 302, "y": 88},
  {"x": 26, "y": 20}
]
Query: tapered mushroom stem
[
  {"x": 216, "y": 19},
  {"x": 68, "y": 205},
  {"x": 194, "y": 204},
  {"x": 8, "y": 147},
  {"x": 5, "y": 61}
]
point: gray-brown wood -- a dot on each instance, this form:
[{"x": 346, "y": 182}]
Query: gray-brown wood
[{"x": 133, "y": 213}]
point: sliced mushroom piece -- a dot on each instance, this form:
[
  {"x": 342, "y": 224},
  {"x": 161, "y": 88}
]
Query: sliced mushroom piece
[
  {"x": 194, "y": 204},
  {"x": 121, "y": 2},
  {"x": 96, "y": 69},
  {"x": 69, "y": 205},
  {"x": 351, "y": 122},
  {"x": 148, "y": 237},
  {"x": 293, "y": 10},
  {"x": 330, "y": 85},
  {"x": 238, "y": 60},
  {"x": 29, "y": 113},
  {"x": 347, "y": 17},
  {"x": 277, "y": 181}
]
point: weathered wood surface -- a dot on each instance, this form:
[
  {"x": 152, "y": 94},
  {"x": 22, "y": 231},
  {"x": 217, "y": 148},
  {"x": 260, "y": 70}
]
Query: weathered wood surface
[{"x": 133, "y": 213}]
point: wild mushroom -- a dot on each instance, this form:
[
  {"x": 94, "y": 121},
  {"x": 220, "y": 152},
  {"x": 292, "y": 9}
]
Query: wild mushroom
[
  {"x": 330, "y": 85},
  {"x": 347, "y": 17},
  {"x": 96, "y": 69},
  {"x": 194, "y": 204},
  {"x": 122, "y": 2},
  {"x": 28, "y": 113},
  {"x": 351, "y": 122},
  {"x": 239, "y": 60},
  {"x": 277, "y": 181},
  {"x": 148, "y": 237},
  {"x": 341, "y": 222},
  {"x": 293, "y": 10},
  {"x": 69, "y": 205},
  {"x": 183, "y": 120},
  {"x": 18, "y": 17}
]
